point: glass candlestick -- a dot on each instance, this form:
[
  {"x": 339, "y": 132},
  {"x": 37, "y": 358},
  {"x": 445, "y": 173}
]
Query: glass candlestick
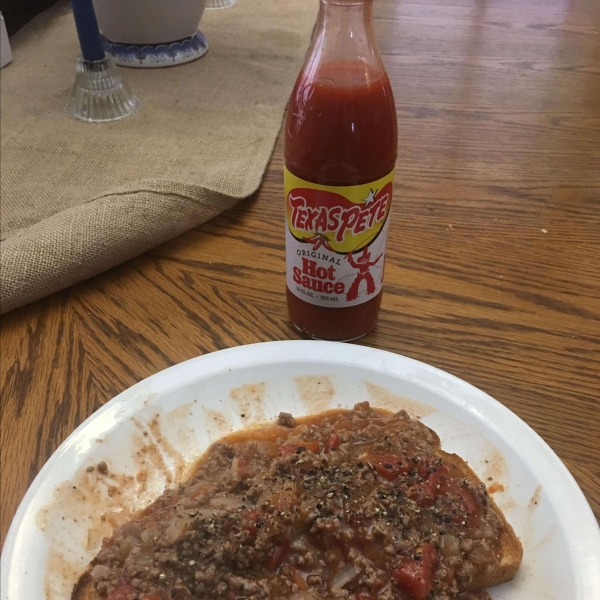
[
  {"x": 212, "y": 4},
  {"x": 99, "y": 93}
]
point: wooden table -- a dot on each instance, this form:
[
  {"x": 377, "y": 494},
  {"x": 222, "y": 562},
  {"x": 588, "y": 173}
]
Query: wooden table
[{"x": 494, "y": 254}]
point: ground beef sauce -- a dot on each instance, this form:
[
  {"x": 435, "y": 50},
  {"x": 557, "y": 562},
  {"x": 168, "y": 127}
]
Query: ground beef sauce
[{"x": 348, "y": 504}]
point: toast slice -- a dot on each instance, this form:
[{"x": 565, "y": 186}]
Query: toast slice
[
  {"x": 505, "y": 570},
  {"x": 509, "y": 551},
  {"x": 510, "y": 546}
]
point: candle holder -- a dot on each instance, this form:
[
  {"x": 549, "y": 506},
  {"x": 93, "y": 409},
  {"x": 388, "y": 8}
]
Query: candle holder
[
  {"x": 99, "y": 93},
  {"x": 216, "y": 4}
]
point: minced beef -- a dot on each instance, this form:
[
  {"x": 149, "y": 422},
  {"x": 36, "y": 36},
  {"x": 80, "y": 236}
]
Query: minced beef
[
  {"x": 286, "y": 420},
  {"x": 348, "y": 505}
]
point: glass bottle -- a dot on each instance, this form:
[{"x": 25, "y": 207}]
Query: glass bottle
[{"x": 340, "y": 152}]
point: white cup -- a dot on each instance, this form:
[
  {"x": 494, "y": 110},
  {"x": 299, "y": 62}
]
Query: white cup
[{"x": 148, "y": 21}]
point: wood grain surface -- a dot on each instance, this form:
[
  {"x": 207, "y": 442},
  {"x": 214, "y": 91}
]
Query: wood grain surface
[{"x": 494, "y": 253}]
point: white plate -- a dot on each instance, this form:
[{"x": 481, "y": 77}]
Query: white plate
[{"x": 159, "y": 426}]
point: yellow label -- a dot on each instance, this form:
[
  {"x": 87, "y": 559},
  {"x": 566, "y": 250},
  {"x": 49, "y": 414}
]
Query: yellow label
[
  {"x": 336, "y": 239},
  {"x": 344, "y": 218}
]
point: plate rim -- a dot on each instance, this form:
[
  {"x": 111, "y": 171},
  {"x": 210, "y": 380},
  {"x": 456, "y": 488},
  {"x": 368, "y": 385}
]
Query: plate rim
[{"x": 265, "y": 353}]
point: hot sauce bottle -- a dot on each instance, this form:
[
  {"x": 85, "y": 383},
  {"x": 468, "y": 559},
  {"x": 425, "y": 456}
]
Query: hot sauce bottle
[{"x": 340, "y": 153}]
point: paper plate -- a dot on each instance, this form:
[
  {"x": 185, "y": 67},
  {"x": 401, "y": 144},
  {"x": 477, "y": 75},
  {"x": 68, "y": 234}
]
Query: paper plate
[{"x": 150, "y": 434}]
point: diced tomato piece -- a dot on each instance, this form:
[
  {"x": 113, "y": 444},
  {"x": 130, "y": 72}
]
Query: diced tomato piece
[
  {"x": 228, "y": 526},
  {"x": 415, "y": 576},
  {"x": 424, "y": 494},
  {"x": 151, "y": 597},
  {"x": 121, "y": 591},
  {"x": 278, "y": 555},
  {"x": 390, "y": 466},
  {"x": 249, "y": 520},
  {"x": 463, "y": 495},
  {"x": 286, "y": 450},
  {"x": 333, "y": 443},
  {"x": 434, "y": 483},
  {"x": 437, "y": 482},
  {"x": 432, "y": 472},
  {"x": 299, "y": 580}
]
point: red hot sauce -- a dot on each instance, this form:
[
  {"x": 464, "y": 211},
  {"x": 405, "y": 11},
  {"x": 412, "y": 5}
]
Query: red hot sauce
[{"x": 340, "y": 153}]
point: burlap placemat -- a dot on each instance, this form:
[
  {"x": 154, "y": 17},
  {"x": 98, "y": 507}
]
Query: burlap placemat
[{"x": 80, "y": 198}]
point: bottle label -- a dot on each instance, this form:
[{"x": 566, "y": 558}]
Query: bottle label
[{"x": 335, "y": 240}]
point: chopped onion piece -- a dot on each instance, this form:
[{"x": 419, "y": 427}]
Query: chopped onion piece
[
  {"x": 481, "y": 554},
  {"x": 147, "y": 536},
  {"x": 210, "y": 513},
  {"x": 145, "y": 558},
  {"x": 99, "y": 572},
  {"x": 486, "y": 531},
  {"x": 198, "y": 488},
  {"x": 300, "y": 544},
  {"x": 267, "y": 449},
  {"x": 345, "y": 575},
  {"x": 298, "y": 431},
  {"x": 450, "y": 545},
  {"x": 235, "y": 469},
  {"x": 124, "y": 548},
  {"x": 226, "y": 502},
  {"x": 177, "y": 528}
]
